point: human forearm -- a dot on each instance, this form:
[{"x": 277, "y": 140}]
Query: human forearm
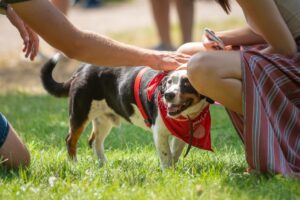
[
  {"x": 62, "y": 5},
  {"x": 240, "y": 36},
  {"x": 89, "y": 47},
  {"x": 82, "y": 45},
  {"x": 101, "y": 50}
]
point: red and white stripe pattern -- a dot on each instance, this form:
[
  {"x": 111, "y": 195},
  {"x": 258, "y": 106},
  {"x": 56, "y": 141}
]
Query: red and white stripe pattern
[{"x": 270, "y": 125}]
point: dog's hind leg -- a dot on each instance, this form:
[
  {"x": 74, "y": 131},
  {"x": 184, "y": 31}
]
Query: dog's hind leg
[
  {"x": 101, "y": 128},
  {"x": 177, "y": 146},
  {"x": 78, "y": 120},
  {"x": 72, "y": 139}
]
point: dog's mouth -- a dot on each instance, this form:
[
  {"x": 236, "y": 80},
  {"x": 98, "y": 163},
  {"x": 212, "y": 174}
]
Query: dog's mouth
[{"x": 176, "y": 109}]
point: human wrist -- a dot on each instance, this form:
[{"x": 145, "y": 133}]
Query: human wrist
[
  {"x": 150, "y": 58},
  {"x": 223, "y": 37}
]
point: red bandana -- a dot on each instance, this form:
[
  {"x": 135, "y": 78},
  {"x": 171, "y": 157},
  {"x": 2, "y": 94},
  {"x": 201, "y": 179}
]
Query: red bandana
[{"x": 180, "y": 127}]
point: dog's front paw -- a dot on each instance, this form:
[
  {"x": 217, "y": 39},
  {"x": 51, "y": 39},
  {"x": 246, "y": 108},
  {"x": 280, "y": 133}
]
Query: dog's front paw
[
  {"x": 71, "y": 149},
  {"x": 72, "y": 155},
  {"x": 102, "y": 162}
]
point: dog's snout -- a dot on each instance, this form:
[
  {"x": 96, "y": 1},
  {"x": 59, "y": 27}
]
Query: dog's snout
[{"x": 169, "y": 96}]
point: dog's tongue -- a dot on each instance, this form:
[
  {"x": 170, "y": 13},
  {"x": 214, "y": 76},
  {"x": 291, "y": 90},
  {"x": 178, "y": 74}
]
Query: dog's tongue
[{"x": 173, "y": 108}]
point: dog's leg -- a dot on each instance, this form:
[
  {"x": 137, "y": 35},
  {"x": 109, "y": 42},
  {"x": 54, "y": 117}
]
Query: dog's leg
[
  {"x": 161, "y": 136},
  {"x": 177, "y": 146},
  {"x": 101, "y": 128},
  {"x": 72, "y": 139},
  {"x": 78, "y": 120},
  {"x": 92, "y": 138}
]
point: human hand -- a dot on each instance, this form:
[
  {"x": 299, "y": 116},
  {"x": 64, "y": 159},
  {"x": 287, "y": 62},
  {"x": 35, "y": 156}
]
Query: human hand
[
  {"x": 191, "y": 48},
  {"x": 211, "y": 41},
  {"x": 169, "y": 60},
  {"x": 30, "y": 38},
  {"x": 182, "y": 67}
]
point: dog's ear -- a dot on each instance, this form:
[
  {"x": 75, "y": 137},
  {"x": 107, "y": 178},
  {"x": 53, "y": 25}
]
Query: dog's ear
[
  {"x": 209, "y": 100},
  {"x": 163, "y": 85}
]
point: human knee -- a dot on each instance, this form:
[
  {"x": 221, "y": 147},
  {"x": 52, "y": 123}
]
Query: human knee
[
  {"x": 13, "y": 161},
  {"x": 200, "y": 69},
  {"x": 26, "y": 160}
]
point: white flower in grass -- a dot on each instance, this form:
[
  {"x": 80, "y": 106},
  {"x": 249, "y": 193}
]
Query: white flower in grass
[
  {"x": 52, "y": 180},
  {"x": 34, "y": 189}
]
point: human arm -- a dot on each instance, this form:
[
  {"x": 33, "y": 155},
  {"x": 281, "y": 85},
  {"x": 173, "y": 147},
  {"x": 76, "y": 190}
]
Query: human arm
[
  {"x": 264, "y": 18},
  {"x": 86, "y": 46},
  {"x": 234, "y": 37},
  {"x": 30, "y": 38},
  {"x": 62, "y": 5},
  {"x": 191, "y": 48},
  {"x": 240, "y": 36}
]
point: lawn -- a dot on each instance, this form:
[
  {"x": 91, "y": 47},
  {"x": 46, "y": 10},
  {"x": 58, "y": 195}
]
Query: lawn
[{"x": 133, "y": 170}]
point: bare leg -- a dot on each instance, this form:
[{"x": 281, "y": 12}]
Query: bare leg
[
  {"x": 161, "y": 12},
  {"x": 185, "y": 9},
  {"x": 13, "y": 151},
  {"x": 218, "y": 75}
]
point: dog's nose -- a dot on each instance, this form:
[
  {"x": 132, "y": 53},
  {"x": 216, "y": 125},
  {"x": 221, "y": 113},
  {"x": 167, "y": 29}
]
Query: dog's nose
[{"x": 169, "y": 96}]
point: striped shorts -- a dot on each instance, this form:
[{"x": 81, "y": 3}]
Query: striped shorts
[
  {"x": 4, "y": 128},
  {"x": 270, "y": 124}
]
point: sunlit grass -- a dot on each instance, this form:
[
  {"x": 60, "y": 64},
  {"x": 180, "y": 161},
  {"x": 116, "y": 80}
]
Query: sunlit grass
[{"x": 133, "y": 170}]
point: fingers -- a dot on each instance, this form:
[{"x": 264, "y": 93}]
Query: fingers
[
  {"x": 29, "y": 37},
  {"x": 33, "y": 44},
  {"x": 182, "y": 67},
  {"x": 212, "y": 42},
  {"x": 171, "y": 61},
  {"x": 210, "y": 45}
]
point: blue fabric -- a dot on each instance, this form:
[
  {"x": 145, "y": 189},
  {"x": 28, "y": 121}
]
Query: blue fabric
[{"x": 4, "y": 128}]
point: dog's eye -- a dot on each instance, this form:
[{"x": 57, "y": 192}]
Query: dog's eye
[
  {"x": 186, "y": 83},
  {"x": 169, "y": 81}
]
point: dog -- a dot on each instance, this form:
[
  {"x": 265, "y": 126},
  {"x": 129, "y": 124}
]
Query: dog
[{"x": 108, "y": 96}]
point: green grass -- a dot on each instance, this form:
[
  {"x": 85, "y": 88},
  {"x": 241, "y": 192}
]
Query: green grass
[{"x": 133, "y": 170}]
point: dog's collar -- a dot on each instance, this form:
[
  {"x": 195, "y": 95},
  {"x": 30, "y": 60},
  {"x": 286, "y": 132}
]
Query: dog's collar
[
  {"x": 151, "y": 88},
  {"x": 137, "y": 94}
]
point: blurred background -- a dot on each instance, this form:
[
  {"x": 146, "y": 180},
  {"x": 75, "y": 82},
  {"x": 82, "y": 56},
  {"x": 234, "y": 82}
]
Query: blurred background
[{"x": 129, "y": 21}]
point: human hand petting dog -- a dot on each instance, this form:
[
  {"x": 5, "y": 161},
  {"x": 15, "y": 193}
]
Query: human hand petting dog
[
  {"x": 168, "y": 61},
  {"x": 30, "y": 38}
]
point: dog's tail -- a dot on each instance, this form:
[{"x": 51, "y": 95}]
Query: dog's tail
[{"x": 55, "y": 88}]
